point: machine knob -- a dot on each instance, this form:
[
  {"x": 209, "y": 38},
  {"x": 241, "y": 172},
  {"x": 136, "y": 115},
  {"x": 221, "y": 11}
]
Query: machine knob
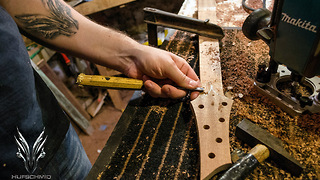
[{"x": 257, "y": 20}]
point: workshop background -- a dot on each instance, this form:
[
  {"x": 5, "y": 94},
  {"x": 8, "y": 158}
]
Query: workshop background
[{"x": 96, "y": 111}]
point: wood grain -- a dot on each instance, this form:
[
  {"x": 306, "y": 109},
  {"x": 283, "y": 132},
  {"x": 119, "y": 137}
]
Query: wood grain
[
  {"x": 212, "y": 108},
  {"x": 212, "y": 112}
]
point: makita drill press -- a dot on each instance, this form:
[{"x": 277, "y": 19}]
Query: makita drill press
[{"x": 292, "y": 33}]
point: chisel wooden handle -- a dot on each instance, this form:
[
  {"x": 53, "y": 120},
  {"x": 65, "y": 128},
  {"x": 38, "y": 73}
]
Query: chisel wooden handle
[
  {"x": 109, "y": 82},
  {"x": 247, "y": 164}
]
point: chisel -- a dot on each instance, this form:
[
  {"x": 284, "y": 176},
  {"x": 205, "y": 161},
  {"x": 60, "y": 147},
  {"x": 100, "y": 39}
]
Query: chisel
[{"x": 113, "y": 82}]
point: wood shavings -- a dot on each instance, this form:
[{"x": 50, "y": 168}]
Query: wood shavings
[
  {"x": 300, "y": 135},
  {"x": 159, "y": 109},
  {"x": 231, "y": 14}
]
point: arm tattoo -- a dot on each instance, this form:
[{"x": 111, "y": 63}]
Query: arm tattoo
[{"x": 59, "y": 22}]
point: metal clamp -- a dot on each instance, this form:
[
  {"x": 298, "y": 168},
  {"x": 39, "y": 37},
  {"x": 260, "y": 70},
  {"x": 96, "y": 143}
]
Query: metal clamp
[{"x": 154, "y": 17}]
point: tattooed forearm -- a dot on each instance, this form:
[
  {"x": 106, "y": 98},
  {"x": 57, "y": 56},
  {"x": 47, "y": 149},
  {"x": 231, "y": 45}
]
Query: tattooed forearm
[{"x": 59, "y": 22}]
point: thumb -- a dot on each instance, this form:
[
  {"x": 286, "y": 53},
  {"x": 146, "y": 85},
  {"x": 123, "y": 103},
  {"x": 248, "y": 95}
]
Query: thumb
[{"x": 182, "y": 79}]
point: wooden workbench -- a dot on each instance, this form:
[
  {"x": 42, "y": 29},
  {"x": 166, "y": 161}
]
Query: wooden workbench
[
  {"x": 153, "y": 136},
  {"x": 157, "y": 138}
]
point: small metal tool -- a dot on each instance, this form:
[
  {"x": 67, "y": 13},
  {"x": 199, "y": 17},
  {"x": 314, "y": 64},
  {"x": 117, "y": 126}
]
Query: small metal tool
[
  {"x": 112, "y": 82},
  {"x": 199, "y": 89}
]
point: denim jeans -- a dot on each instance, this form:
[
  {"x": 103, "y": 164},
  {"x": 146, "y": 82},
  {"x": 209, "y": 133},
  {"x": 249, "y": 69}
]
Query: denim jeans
[{"x": 71, "y": 161}]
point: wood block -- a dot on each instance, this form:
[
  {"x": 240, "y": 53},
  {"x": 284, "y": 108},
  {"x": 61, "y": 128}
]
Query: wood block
[
  {"x": 67, "y": 105},
  {"x": 211, "y": 108},
  {"x": 212, "y": 112},
  {"x": 62, "y": 87},
  {"x": 94, "y": 6}
]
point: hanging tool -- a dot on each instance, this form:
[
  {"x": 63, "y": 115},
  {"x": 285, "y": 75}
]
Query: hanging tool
[
  {"x": 114, "y": 82},
  {"x": 265, "y": 145}
]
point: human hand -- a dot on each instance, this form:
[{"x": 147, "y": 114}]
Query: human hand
[{"x": 161, "y": 71}]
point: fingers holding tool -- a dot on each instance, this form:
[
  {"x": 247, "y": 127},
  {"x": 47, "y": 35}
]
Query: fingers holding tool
[{"x": 168, "y": 89}]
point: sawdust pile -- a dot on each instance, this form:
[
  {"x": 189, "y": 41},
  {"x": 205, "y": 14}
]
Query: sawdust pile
[
  {"x": 241, "y": 58},
  {"x": 239, "y": 62},
  {"x": 300, "y": 135},
  {"x": 231, "y": 14}
]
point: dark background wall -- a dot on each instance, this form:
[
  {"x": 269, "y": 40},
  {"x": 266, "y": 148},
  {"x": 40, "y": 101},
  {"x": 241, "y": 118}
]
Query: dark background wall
[{"x": 129, "y": 18}]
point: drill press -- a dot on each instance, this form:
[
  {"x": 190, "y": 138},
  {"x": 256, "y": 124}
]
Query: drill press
[{"x": 292, "y": 33}]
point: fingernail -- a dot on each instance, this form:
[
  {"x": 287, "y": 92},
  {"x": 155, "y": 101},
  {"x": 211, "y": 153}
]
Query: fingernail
[
  {"x": 167, "y": 91},
  {"x": 193, "y": 83},
  {"x": 149, "y": 85}
]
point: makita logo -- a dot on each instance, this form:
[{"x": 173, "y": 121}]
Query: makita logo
[{"x": 299, "y": 23}]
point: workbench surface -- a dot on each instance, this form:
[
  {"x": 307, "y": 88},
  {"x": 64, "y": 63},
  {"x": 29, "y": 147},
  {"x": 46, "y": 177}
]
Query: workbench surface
[{"x": 157, "y": 138}]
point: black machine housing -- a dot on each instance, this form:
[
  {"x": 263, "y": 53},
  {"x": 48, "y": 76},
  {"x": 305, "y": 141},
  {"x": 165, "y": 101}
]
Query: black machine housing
[{"x": 292, "y": 33}]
